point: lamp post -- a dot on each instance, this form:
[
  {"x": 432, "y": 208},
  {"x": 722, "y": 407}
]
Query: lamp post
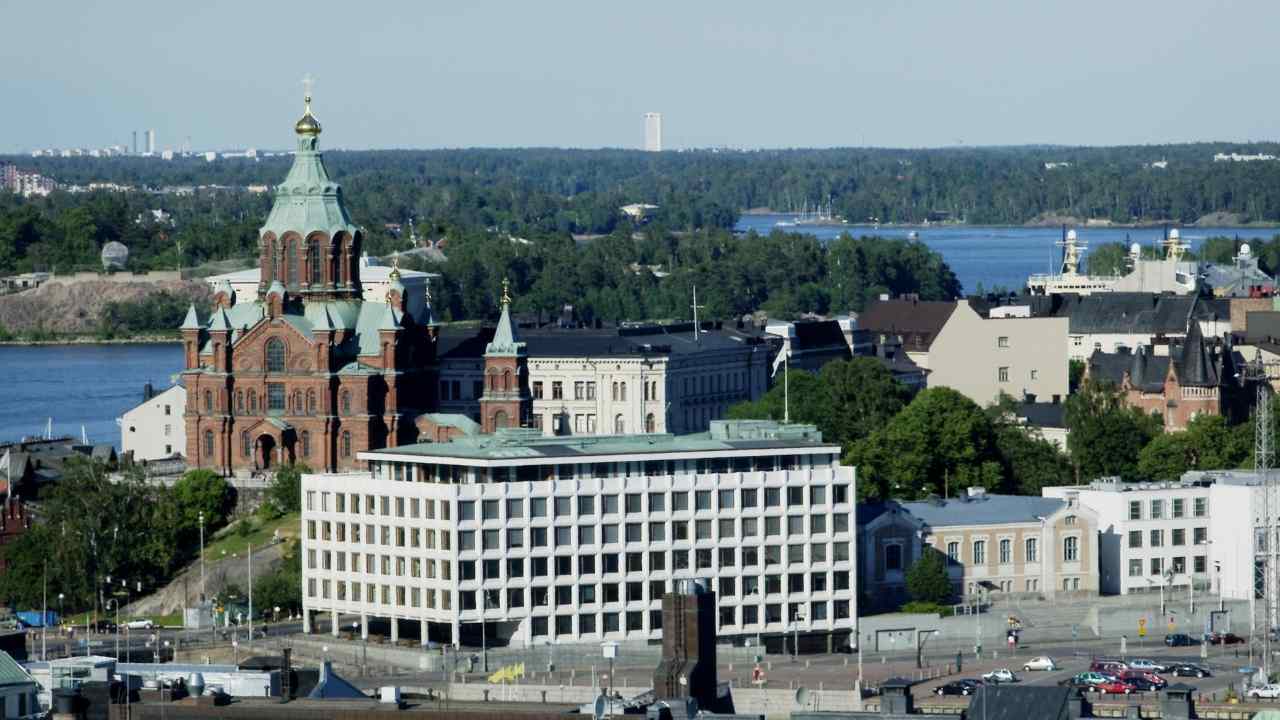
[{"x": 202, "y": 595}]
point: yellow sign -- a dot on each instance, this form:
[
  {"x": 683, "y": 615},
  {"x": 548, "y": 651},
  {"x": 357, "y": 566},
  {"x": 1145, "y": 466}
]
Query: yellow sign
[
  {"x": 509, "y": 673},
  {"x": 1142, "y": 627}
]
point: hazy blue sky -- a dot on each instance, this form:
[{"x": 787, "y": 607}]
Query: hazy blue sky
[{"x": 544, "y": 73}]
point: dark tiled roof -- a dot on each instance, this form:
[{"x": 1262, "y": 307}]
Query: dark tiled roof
[
  {"x": 1139, "y": 313},
  {"x": 1043, "y": 414},
  {"x": 1196, "y": 362},
  {"x": 917, "y": 321},
  {"x": 817, "y": 334},
  {"x": 590, "y": 342},
  {"x": 1025, "y": 702}
]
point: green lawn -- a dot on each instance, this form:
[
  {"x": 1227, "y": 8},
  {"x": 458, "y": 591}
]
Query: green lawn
[{"x": 229, "y": 541}]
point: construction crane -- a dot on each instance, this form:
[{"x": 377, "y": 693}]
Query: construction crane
[{"x": 1263, "y": 602}]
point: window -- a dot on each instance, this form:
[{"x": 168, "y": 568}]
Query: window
[
  {"x": 1179, "y": 507},
  {"x": 346, "y": 402},
  {"x": 893, "y": 557},
  {"x": 1198, "y": 564},
  {"x": 649, "y": 424},
  {"x": 1135, "y": 568},
  {"x": 275, "y": 355},
  {"x": 1071, "y": 549},
  {"x": 346, "y": 443},
  {"x": 1157, "y": 538},
  {"x": 1004, "y": 374},
  {"x": 208, "y": 401},
  {"x": 1135, "y": 510},
  {"x": 1002, "y": 341},
  {"x": 579, "y": 390},
  {"x": 1201, "y": 507},
  {"x": 1156, "y": 566},
  {"x": 619, "y": 425},
  {"x": 1157, "y": 509},
  {"x": 980, "y": 552},
  {"x": 246, "y": 447},
  {"x": 953, "y": 551},
  {"x": 1179, "y": 536},
  {"x": 1006, "y": 552},
  {"x": 306, "y": 443},
  {"x": 1135, "y": 538},
  {"x": 537, "y": 389},
  {"x": 1199, "y": 536},
  {"x": 208, "y": 443}
]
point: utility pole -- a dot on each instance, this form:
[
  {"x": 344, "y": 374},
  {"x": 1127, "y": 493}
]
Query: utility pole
[
  {"x": 44, "y": 618},
  {"x": 250, "y": 550}
]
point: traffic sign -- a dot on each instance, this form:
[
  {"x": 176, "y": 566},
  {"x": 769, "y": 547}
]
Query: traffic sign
[{"x": 1142, "y": 627}]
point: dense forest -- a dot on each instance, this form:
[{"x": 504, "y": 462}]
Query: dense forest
[{"x": 552, "y": 201}]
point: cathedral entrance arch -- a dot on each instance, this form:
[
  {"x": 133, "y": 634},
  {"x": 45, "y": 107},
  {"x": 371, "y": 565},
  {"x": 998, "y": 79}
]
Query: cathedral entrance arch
[{"x": 265, "y": 454}]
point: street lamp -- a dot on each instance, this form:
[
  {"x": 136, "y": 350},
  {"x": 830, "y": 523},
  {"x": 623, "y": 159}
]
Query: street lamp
[
  {"x": 202, "y": 595},
  {"x": 797, "y": 617}
]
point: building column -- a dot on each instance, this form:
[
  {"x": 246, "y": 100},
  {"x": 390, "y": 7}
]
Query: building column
[
  {"x": 395, "y": 630},
  {"x": 364, "y": 626},
  {"x": 333, "y": 629},
  {"x": 306, "y": 621},
  {"x": 422, "y": 633}
]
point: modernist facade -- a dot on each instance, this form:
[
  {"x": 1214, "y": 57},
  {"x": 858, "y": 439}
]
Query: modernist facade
[
  {"x": 577, "y": 539},
  {"x": 155, "y": 429},
  {"x": 634, "y": 379},
  {"x": 303, "y": 369},
  {"x": 996, "y": 546},
  {"x": 1198, "y": 529},
  {"x": 984, "y": 357}
]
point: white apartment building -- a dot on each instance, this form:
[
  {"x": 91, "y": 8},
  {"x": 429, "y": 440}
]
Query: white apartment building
[
  {"x": 653, "y": 132},
  {"x": 155, "y": 430},
  {"x": 576, "y": 539},
  {"x": 1198, "y": 529},
  {"x": 650, "y": 379},
  {"x": 985, "y": 357}
]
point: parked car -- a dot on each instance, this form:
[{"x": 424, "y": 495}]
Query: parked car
[
  {"x": 1145, "y": 665},
  {"x": 1142, "y": 683},
  {"x": 1146, "y": 677},
  {"x": 1110, "y": 667},
  {"x": 967, "y": 686},
  {"x": 1090, "y": 679},
  {"x": 103, "y": 626},
  {"x": 1188, "y": 670},
  {"x": 1179, "y": 640},
  {"x": 1003, "y": 675},
  {"x": 1223, "y": 638},
  {"x": 143, "y": 624},
  {"x": 1269, "y": 692},
  {"x": 1113, "y": 687},
  {"x": 1040, "y": 663}
]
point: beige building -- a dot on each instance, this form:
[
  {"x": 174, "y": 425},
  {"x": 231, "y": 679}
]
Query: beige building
[
  {"x": 996, "y": 546},
  {"x": 982, "y": 357},
  {"x": 155, "y": 429}
]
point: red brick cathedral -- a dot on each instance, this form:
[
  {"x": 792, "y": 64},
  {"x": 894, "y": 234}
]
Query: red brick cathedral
[{"x": 306, "y": 371}]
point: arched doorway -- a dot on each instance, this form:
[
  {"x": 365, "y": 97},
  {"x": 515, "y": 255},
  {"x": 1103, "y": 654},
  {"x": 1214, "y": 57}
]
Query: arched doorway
[{"x": 265, "y": 454}]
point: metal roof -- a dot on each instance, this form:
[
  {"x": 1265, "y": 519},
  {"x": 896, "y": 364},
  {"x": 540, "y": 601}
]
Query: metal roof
[{"x": 983, "y": 510}]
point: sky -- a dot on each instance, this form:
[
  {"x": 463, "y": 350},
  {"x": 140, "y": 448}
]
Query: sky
[{"x": 740, "y": 73}]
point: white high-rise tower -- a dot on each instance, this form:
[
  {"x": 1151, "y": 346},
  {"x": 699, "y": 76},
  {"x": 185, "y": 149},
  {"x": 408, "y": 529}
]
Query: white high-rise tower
[
  {"x": 151, "y": 142},
  {"x": 653, "y": 132}
]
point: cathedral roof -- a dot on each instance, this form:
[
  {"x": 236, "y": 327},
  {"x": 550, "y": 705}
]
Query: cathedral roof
[
  {"x": 308, "y": 200},
  {"x": 192, "y": 321},
  {"x": 504, "y": 343}
]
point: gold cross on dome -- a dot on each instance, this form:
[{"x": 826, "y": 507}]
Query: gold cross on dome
[
  {"x": 307, "y": 82},
  {"x": 506, "y": 291}
]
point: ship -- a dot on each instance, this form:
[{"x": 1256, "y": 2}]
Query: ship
[{"x": 1171, "y": 273}]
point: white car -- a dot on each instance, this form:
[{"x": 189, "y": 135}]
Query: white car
[
  {"x": 139, "y": 624},
  {"x": 1145, "y": 665},
  {"x": 1040, "y": 663},
  {"x": 1270, "y": 692},
  {"x": 1003, "y": 675}
]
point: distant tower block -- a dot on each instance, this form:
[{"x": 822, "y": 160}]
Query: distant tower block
[
  {"x": 653, "y": 132},
  {"x": 687, "y": 670},
  {"x": 151, "y": 142}
]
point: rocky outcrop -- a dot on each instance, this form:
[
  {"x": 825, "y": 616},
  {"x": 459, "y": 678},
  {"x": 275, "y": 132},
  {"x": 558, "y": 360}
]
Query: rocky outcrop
[{"x": 76, "y": 308}]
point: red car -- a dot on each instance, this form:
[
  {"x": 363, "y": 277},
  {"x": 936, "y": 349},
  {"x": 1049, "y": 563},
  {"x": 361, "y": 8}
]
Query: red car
[
  {"x": 1110, "y": 667},
  {"x": 1223, "y": 639},
  {"x": 1150, "y": 677},
  {"x": 1113, "y": 687}
]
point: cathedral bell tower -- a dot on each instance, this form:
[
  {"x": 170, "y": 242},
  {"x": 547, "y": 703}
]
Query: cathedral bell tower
[{"x": 506, "y": 401}]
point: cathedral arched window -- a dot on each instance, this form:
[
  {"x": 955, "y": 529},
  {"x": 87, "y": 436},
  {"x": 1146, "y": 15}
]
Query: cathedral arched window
[
  {"x": 208, "y": 443},
  {"x": 292, "y": 250},
  {"x": 246, "y": 447},
  {"x": 346, "y": 402},
  {"x": 269, "y": 267},
  {"x": 619, "y": 425},
  {"x": 622, "y": 391},
  {"x": 506, "y": 380},
  {"x": 311, "y": 402},
  {"x": 240, "y": 402},
  {"x": 253, "y": 401},
  {"x": 313, "y": 263},
  {"x": 649, "y": 423},
  {"x": 306, "y": 444},
  {"x": 208, "y": 401},
  {"x": 346, "y": 443},
  {"x": 275, "y": 355}
]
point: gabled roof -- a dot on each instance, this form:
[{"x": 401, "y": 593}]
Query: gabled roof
[
  {"x": 1133, "y": 313},
  {"x": 11, "y": 673},
  {"x": 917, "y": 321},
  {"x": 1196, "y": 361}
]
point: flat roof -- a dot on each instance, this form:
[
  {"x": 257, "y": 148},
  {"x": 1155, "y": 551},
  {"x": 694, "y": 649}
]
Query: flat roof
[{"x": 727, "y": 438}]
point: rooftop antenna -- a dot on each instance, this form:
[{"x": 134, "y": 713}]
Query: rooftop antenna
[
  {"x": 786, "y": 385},
  {"x": 696, "y": 330}
]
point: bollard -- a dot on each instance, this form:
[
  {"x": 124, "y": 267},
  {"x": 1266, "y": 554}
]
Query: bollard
[
  {"x": 486, "y": 694},
  {"x": 806, "y": 664},
  {"x": 544, "y": 697}
]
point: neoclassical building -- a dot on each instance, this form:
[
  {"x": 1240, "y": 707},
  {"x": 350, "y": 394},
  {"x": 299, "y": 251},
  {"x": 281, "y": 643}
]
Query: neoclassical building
[{"x": 306, "y": 371}]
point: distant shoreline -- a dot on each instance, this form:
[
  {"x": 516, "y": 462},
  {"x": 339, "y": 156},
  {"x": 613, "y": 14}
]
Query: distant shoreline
[
  {"x": 767, "y": 212},
  {"x": 90, "y": 340}
]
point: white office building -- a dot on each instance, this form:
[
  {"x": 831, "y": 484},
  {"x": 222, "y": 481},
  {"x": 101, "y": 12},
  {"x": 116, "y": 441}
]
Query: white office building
[
  {"x": 577, "y": 538},
  {"x": 653, "y": 132},
  {"x": 1198, "y": 529}
]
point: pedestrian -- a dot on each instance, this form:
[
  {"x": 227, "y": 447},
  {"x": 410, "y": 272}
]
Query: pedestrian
[{"x": 959, "y": 661}]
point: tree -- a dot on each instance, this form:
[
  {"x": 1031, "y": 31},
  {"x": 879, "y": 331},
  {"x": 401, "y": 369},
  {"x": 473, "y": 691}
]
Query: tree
[
  {"x": 1106, "y": 436},
  {"x": 202, "y": 491},
  {"x": 1208, "y": 443},
  {"x": 282, "y": 587},
  {"x": 285, "y": 492},
  {"x": 942, "y": 440},
  {"x": 927, "y": 579}
]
